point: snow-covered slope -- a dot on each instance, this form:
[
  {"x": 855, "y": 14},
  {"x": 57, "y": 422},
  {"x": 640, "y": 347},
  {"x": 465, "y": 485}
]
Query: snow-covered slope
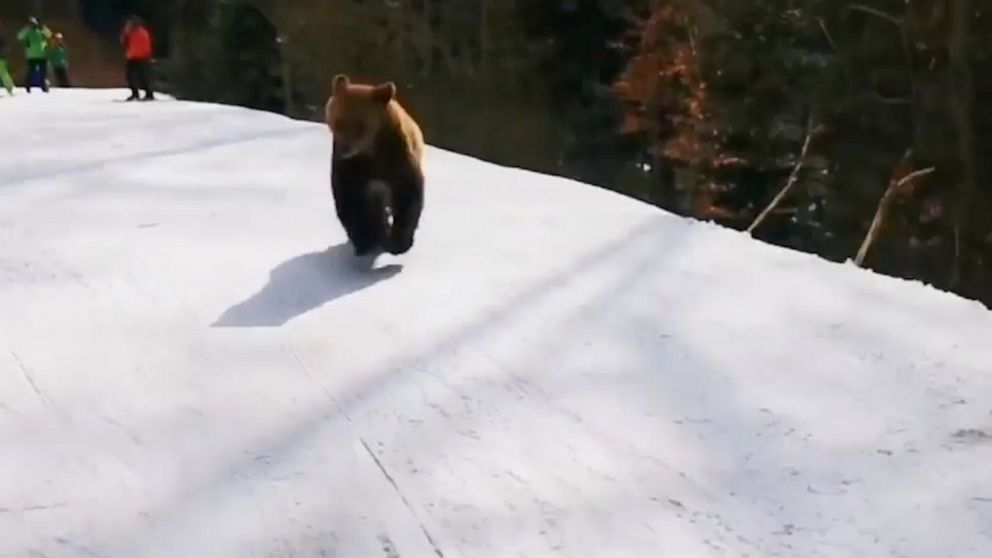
[{"x": 190, "y": 367}]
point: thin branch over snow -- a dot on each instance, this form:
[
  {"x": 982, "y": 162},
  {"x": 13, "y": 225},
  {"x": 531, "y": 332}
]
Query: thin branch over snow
[
  {"x": 883, "y": 211},
  {"x": 811, "y": 131}
]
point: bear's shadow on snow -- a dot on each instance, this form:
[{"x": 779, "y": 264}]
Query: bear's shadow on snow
[{"x": 302, "y": 284}]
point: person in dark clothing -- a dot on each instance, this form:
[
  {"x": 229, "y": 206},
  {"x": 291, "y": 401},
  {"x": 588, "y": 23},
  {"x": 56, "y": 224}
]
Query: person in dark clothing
[
  {"x": 137, "y": 41},
  {"x": 58, "y": 55}
]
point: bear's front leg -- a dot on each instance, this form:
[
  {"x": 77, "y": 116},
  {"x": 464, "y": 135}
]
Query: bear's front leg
[
  {"x": 375, "y": 214},
  {"x": 351, "y": 207},
  {"x": 408, "y": 204}
]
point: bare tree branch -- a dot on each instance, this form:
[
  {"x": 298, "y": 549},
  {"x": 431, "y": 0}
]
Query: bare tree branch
[
  {"x": 830, "y": 38},
  {"x": 882, "y": 213},
  {"x": 877, "y": 13},
  {"x": 811, "y": 131},
  {"x": 890, "y": 100}
]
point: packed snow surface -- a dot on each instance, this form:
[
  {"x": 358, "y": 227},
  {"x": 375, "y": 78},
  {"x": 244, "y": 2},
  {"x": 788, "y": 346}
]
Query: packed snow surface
[{"x": 192, "y": 366}]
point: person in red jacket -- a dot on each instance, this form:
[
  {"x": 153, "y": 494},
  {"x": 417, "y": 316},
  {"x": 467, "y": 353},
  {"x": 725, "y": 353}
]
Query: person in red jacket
[{"x": 137, "y": 41}]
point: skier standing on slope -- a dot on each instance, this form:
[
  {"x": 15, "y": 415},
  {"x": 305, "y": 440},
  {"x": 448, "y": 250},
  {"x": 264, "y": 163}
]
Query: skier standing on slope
[
  {"x": 35, "y": 37},
  {"x": 58, "y": 55},
  {"x": 137, "y": 41},
  {"x": 5, "y": 80}
]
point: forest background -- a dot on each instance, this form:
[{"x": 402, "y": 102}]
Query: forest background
[{"x": 853, "y": 130}]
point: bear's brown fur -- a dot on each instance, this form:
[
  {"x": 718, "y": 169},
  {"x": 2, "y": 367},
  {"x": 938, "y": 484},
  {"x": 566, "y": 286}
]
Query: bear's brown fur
[{"x": 376, "y": 142}]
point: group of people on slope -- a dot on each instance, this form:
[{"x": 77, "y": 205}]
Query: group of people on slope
[{"x": 43, "y": 48}]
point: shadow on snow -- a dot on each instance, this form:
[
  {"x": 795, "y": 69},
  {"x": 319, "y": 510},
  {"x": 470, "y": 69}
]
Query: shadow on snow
[{"x": 302, "y": 284}]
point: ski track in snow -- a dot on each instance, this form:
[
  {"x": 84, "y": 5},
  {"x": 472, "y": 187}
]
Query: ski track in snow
[{"x": 190, "y": 365}]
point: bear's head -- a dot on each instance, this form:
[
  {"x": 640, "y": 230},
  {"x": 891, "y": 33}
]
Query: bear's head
[{"x": 355, "y": 113}]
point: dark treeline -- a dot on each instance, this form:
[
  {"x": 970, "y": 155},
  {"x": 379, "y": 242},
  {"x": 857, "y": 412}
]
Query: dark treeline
[{"x": 877, "y": 110}]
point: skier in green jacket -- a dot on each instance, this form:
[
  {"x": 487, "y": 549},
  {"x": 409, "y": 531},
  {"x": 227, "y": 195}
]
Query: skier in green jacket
[
  {"x": 35, "y": 37},
  {"x": 5, "y": 80},
  {"x": 58, "y": 55}
]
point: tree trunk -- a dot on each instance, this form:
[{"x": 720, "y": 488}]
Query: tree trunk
[
  {"x": 286, "y": 71},
  {"x": 962, "y": 109},
  {"x": 485, "y": 41}
]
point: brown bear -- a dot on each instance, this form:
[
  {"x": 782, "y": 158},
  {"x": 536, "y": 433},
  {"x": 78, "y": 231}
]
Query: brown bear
[{"x": 377, "y": 176}]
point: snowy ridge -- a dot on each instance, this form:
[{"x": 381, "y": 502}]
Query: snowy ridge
[{"x": 190, "y": 366}]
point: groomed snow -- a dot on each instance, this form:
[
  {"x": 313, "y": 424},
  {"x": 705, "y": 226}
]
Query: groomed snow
[{"x": 190, "y": 366}]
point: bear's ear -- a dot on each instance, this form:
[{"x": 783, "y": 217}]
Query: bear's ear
[
  {"x": 385, "y": 92},
  {"x": 341, "y": 83}
]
